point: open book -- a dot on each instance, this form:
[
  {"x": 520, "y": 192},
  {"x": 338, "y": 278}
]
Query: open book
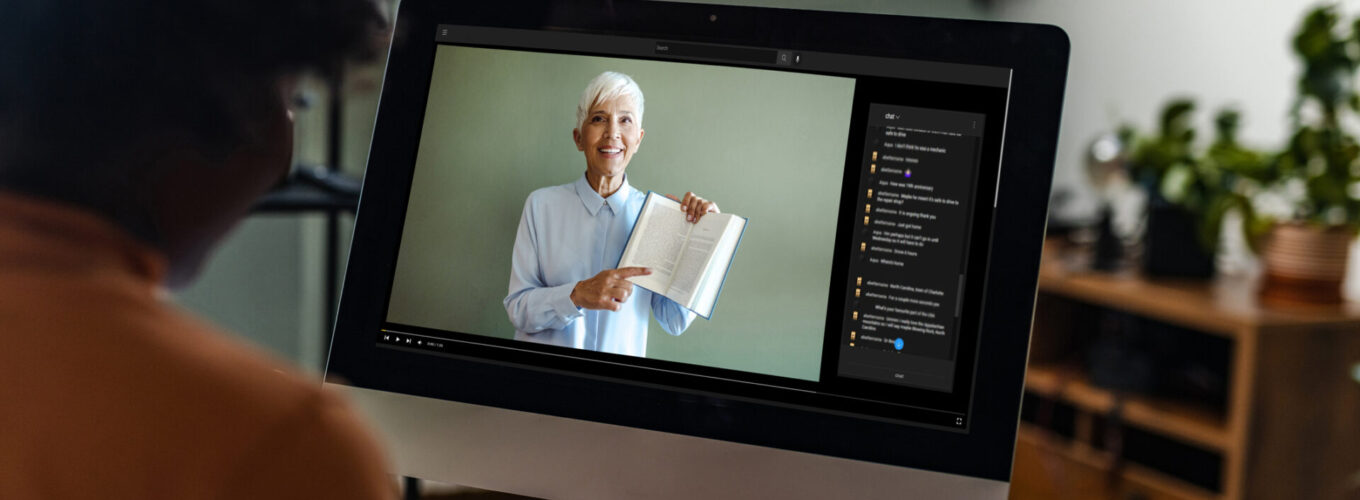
[{"x": 689, "y": 261}]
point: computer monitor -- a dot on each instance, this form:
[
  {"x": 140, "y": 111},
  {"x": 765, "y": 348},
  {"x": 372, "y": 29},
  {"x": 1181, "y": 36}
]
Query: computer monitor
[{"x": 862, "y": 327}]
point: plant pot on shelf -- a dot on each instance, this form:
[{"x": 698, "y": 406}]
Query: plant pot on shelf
[
  {"x": 1305, "y": 263},
  {"x": 1170, "y": 247}
]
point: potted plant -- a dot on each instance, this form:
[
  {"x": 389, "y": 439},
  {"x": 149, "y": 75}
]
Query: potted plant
[
  {"x": 1299, "y": 207},
  {"x": 1189, "y": 194},
  {"x": 1179, "y": 189},
  {"x": 1309, "y": 189}
]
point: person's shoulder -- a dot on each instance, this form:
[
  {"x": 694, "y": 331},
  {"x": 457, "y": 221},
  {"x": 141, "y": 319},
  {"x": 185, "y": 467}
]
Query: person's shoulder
[
  {"x": 558, "y": 191},
  {"x": 319, "y": 450},
  {"x": 260, "y": 413},
  {"x": 638, "y": 195},
  {"x": 291, "y": 431},
  {"x": 265, "y": 387},
  {"x": 174, "y": 394},
  {"x": 551, "y": 195},
  {"x": 143, "y": 353}
]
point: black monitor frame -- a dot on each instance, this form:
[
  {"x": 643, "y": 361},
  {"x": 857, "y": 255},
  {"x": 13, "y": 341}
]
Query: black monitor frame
[{"x": 1036, "y": 54}]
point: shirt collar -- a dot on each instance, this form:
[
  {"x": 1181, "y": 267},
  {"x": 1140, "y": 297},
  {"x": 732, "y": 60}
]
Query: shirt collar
[{"x": 593, "y": 201}]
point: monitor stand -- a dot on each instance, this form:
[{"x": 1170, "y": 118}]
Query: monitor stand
[{"x": 535, "y": 455}]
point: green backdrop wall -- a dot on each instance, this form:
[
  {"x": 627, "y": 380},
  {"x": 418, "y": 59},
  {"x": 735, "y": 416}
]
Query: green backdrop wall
[{"x": 766, "y": 145}]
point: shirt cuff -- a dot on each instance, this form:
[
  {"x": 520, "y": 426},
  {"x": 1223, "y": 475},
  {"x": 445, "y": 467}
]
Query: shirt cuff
[{"x": 562, "y": 304}]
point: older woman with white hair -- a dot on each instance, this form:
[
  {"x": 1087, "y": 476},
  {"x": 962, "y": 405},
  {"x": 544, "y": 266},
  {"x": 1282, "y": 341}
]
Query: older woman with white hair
[{"x": 564, "y": 289}]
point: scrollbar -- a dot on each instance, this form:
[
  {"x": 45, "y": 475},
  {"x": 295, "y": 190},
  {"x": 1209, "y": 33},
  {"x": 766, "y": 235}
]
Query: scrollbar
[{"x": 958, "y": 299}]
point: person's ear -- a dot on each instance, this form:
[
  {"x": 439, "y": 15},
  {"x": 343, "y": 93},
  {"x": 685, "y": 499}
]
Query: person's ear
[
  {"x": 641, "y": 132},
  {"x": 576, "y": 138}
]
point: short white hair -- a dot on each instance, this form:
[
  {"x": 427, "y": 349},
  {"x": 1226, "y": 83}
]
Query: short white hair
[{"x": 607, "y": 86}]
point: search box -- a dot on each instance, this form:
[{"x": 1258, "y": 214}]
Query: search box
[{"x": 742, "y": 54}]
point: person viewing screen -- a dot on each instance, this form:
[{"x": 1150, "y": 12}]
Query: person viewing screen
[
  {"x": 133, "y": 136},
  {"x": 564, "y": 287}
]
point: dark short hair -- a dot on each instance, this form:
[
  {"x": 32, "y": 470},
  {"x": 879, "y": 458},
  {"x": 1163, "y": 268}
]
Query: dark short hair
[{"x": 78, "y": 77}]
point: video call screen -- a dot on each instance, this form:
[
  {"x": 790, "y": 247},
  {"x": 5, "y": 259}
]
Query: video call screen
[{"x": 865, "y": 187}]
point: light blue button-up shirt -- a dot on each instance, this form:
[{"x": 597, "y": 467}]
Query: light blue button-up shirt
[{"x": 567, "y": 234}]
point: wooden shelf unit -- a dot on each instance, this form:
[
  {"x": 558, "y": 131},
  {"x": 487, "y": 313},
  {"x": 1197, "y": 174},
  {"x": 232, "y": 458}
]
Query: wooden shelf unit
[
  {"x": 1290, "y": 424},
  {"x": 1185, "y": 421},
  {"x": 1088, "y": 472}
]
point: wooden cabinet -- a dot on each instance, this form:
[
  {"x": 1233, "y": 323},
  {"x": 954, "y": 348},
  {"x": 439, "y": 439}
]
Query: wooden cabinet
[{"x": 1141, "y": 388}]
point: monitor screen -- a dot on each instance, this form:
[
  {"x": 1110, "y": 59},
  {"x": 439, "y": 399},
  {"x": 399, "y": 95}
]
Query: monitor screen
[
  {"x": 528, "y": 289},
  {"x": 858, "y": 194}
]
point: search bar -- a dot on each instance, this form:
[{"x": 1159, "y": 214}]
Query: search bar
[{"x": 742, "y": 54}]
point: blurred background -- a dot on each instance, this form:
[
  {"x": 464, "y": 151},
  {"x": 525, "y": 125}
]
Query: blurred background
[{"x": 1196, "y": 328}]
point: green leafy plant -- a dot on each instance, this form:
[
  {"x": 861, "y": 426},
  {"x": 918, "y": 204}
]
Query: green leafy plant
[
  {"x": 1314, "y": 179},
  {"x": 1321, "y": 154},
  {"x": 1240, "y": 172},
  {"x": 1205, "y": 184},
  {"x": 1152, "y": 158}
]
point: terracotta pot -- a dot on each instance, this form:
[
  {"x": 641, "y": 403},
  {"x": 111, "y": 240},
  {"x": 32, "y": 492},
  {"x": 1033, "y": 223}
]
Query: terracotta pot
[{"x": 1305, "y": 263}]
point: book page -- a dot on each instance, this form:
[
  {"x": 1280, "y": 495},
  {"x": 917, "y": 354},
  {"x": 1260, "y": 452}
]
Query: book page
[
  {"x": 657, "y": 242},
  {"x": 691, "y": 267},
  {"x": 703, "y": 238},
  {"x": 726, "y": 247}
]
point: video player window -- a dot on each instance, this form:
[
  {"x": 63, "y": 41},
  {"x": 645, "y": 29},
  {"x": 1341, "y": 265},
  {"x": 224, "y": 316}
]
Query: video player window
[
  {"x": 768, "y": 146},
  {"x": 836, "y": 270}
]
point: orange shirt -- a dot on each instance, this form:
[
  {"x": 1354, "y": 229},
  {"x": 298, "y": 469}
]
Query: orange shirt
[{"x": 107, "y": 391}]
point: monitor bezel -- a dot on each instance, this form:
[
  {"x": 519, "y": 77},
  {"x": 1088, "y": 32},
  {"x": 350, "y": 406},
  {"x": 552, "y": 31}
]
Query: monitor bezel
[{"x": 1037, "y": 55}]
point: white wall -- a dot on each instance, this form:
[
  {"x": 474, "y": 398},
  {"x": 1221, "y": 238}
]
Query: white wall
[{"x": 1129, "y": 57}]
